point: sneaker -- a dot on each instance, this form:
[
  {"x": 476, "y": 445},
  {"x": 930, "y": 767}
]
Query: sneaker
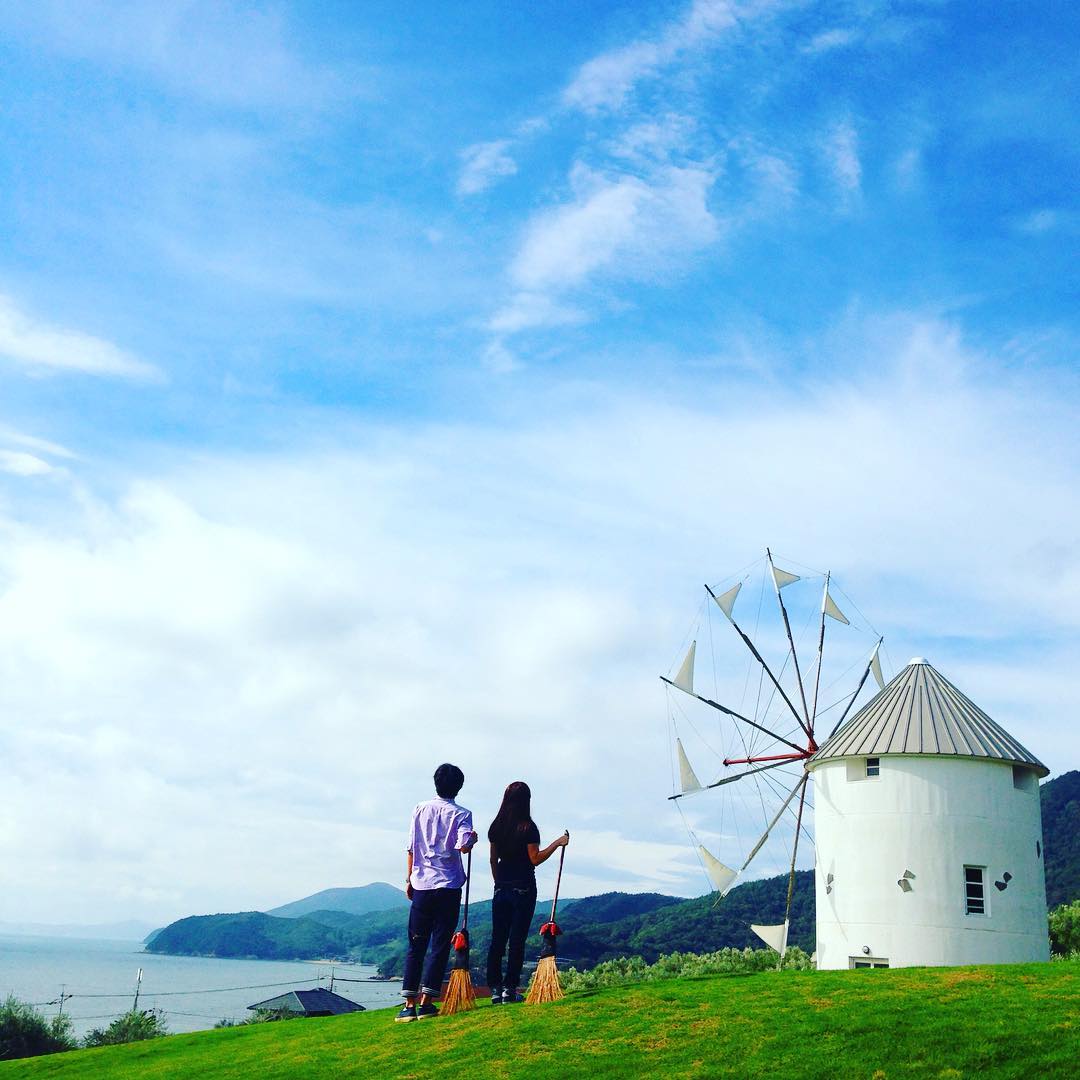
[
  {"x": 496, "y": 996},
  {"x": 511, "y": 997},
  {"x": 408, "y": 1013},
  {"x": 425, "y": 1012}
]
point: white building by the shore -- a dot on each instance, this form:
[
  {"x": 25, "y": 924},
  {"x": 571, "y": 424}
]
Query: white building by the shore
[{"x": 928, "y": 833}]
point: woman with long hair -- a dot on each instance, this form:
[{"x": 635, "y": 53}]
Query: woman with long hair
[{"x": 515, "y": 855}]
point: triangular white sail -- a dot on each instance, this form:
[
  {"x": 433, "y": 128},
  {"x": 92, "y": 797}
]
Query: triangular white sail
[
  {"x": 720, "y": 875},
  {"x": 726, "y": 600},
  {"x": 833, "y": 611},
  {"x": 782, "y": 577},
  {"x": 684, "y": 680},
  {"x": 773, "y": 936},
  {"x": 687, "y": 777},
  {"x": 875, "y": 667}
]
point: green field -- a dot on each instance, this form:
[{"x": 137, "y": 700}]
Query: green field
[{"x": 1021, "y": 1021}]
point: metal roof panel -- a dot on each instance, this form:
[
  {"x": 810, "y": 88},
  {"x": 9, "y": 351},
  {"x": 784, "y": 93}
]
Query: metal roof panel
[{"x": 921, "y": 712}]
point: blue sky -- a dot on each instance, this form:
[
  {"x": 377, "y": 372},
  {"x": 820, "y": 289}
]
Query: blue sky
[{"x": 403, "y": 379}]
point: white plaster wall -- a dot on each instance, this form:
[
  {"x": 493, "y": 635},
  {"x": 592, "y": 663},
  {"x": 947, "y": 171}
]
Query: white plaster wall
[{"x": 932, "y": 816}]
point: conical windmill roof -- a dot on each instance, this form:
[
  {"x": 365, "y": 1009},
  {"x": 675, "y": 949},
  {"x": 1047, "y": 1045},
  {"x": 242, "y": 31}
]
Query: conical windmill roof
[{"x": 921, "y": 712}]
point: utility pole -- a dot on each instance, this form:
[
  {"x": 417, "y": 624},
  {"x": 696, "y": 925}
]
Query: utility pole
[
  {"x": 138, "y": 984},
  {"x": 63, "y": 997},
  {"x": 331, "y": 979}
]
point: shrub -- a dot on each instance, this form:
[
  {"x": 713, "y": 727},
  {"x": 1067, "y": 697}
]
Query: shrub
[
  {"x": 24, "y": 1032},
  {"x": 681, "y": 965},
  {"x": 134, "y": 1026},
  {"x": 1065, "y": 928},
  {"x": 261, "y": 1016}
]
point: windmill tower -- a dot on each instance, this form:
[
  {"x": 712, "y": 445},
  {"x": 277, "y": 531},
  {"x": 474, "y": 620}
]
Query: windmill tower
[
  {"x": 922, "y": 815},
  {"x": 929, "y": 834}
]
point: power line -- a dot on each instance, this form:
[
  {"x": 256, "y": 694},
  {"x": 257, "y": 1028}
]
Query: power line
[{"x": 215, "y": 990}]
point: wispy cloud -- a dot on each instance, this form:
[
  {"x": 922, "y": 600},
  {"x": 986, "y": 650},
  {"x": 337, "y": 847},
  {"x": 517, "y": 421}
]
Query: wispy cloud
[
  {"x": 530, "y": 309},
  {"x": 616, "y": 226},
  {"x": 1047, "y": 220},
  {"x": 606, "y": 81},
  {"x": 841, "y": 150},
  {"x": 240, "y": 56},
  {"x": 32, "y": 442},
  {"x": 20, "y": 463},
  {"x": 43, "y": 348},
  {"x": 622, "y": 224},
  {"x": 827, "y": 40},
  {"x": 483, "y": 164}
]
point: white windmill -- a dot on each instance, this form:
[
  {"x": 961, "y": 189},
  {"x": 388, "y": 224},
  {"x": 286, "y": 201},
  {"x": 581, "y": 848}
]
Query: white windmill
[{"x": 923, "y": 803}]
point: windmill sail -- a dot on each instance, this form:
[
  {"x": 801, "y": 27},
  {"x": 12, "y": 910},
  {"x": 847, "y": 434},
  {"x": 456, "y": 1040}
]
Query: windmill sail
[
  {"x": 783, "y": 578},
  {"x": 875, "y": 667},
  {"x": 687, "y": 777},
  {"x": 773, "y": 936},
  {"x": 833, "y": 611},
  {"x": 720, "y": 875},
  {"x": 726, "y": 600},
  {"x": 684, "y": 680}
]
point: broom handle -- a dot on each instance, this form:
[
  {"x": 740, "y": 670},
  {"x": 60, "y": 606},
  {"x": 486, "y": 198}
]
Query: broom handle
[
  {"x": 468, "y": 882},
  {"x": 558, "y": 879}
]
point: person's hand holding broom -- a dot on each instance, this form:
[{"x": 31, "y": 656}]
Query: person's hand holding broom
[{"x": 545, "y": 984}]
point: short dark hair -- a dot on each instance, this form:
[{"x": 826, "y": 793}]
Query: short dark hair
[{"x": 448, "y": 781}]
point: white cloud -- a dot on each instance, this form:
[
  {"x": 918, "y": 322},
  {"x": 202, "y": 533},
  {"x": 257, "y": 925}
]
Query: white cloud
[
  {"x": 622, "y": 224},
  {"x": 841, "y": 150},
  {"x": 653, "y": 140},
  {"x": 239, "y": 56},
  {"x": 483, "y": 164},
  {"x": 827, "y": 40},
  {"x": 33, "y": 442},
  {"x": 527, "y": 309},
  {"x": 1047, "y": 220},
  {"x": 605, "y": 81},
  {"x": 20, "y": 463},
  {"x": 40, "y": 347},
  {"x": 265, "y": 640},
  {"x": 499, "y": 359}
]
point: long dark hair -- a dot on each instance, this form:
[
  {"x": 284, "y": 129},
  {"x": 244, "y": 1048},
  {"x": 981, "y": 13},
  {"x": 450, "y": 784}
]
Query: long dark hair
[{"x": 514, "y": 816}]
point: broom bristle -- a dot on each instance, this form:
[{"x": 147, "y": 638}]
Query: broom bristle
[
  {"x": 459, "y": 996},
  {"x": 545, "y": 985}
]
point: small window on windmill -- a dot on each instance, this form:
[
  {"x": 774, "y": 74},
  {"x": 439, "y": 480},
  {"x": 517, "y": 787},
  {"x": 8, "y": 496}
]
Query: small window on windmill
[
  {"x": 974, "y": 890},
  {"x": 873, "y": 766},
  {"x": 1024, "y": 779},
  {"x": 868, "y": 962}
]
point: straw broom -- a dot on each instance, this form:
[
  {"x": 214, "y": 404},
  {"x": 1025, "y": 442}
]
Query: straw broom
[
  {"x": 459, "y": 996},
  {"x": 545, "y": 985}
]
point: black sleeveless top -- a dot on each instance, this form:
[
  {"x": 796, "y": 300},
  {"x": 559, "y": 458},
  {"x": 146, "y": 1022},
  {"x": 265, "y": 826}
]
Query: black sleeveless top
[{"x": 514, "y": 866}]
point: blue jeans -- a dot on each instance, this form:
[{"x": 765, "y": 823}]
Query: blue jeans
[
  {"x": 512, "y": 910},
  {"x": 432, "y": 921}
]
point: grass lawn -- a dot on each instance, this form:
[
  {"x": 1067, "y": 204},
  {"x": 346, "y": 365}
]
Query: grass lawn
[{"x": 1016, "y": 1021}]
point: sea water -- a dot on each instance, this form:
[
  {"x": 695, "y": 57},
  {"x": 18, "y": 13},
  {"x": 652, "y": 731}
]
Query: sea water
[{"x": 194, "y": 993}]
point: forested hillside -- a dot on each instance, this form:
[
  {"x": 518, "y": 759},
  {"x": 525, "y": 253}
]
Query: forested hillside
[
  {"x": 597, "y": 927},
  {"x": 1061, "y": 837}
]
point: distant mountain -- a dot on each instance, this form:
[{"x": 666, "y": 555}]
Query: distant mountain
[
  {"x": 1061, "y": 837},
  {"x": 378, "y": 896},
  {"x": 368, "y": 923},
  {"x": 128, "y": 930}
]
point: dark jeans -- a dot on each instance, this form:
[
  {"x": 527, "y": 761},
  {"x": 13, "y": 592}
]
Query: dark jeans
[
  {"x": 511, "y": 916},
  {"x": 432, "y": 920}
]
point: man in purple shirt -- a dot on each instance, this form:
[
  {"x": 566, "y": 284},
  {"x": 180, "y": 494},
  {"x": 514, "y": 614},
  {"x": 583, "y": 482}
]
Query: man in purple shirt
[{"x": 440, "y": 831}]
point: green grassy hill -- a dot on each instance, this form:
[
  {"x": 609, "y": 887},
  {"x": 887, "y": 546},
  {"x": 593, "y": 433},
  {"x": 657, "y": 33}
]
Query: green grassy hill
[{"x": 946, "y": 1023}]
